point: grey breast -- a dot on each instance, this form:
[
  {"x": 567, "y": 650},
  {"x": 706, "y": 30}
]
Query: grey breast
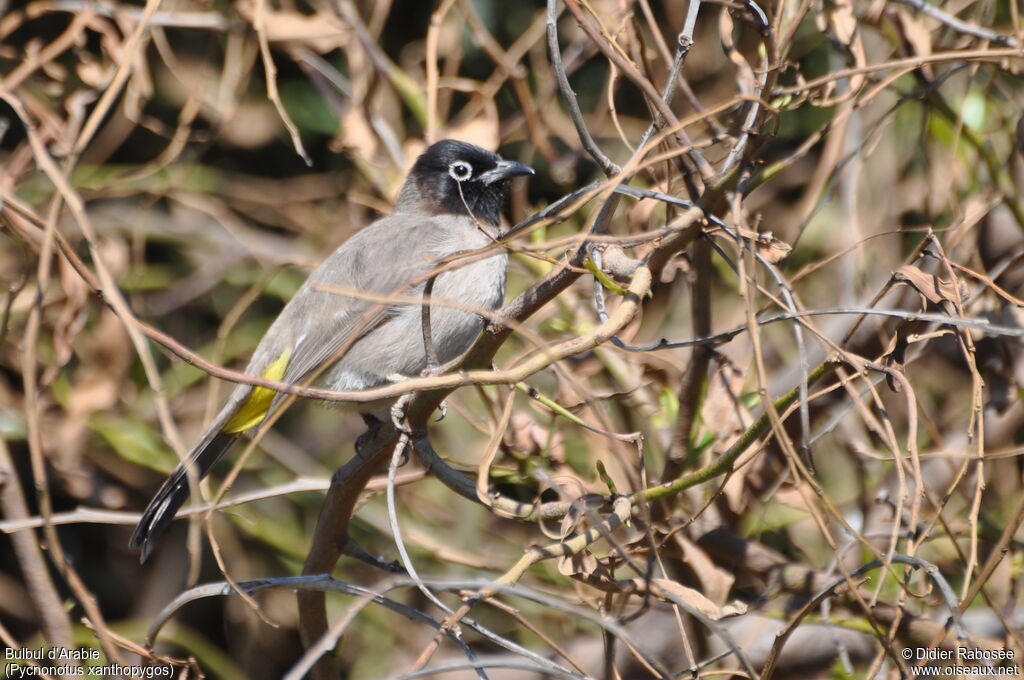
[{"x": 398, "y": 257}]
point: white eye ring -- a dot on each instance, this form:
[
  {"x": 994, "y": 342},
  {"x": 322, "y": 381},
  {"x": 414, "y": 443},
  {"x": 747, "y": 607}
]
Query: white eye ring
[{"x": 460, "y": 171}]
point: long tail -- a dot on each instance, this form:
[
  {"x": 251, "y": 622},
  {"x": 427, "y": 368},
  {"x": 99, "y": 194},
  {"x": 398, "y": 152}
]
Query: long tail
[
  {"x": 175, "y": 491},
  {"x": 245, "y": 409}
]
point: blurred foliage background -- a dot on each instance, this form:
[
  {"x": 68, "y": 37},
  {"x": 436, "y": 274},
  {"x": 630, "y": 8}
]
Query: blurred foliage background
[{"x": 193, "y": 161}]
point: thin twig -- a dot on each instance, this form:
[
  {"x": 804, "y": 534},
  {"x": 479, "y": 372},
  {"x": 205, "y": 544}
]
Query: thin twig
[
  {"x": 569, "y": 96},
  {"x": 959, "y": 25}
]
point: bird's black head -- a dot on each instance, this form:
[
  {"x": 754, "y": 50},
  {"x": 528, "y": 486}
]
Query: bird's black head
[{"x": 459, "y": 178}]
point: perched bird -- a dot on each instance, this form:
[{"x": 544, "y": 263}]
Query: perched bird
[{"x": 449, "y": 203}]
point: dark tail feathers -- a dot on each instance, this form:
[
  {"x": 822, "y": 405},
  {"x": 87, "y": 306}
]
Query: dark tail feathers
[{"x": 174, "y": 492}]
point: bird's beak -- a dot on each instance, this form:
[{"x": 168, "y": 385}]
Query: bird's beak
[{"x": 504, "y": 170}]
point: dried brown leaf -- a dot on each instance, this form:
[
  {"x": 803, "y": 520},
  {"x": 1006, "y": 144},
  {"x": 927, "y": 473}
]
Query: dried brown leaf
[
  {"x": 895, "y": 358},
  {"x": 715, "y": 582},
  {"x": 842, "y": 19},
  {"x": 693, "y": 598},
  {"x": 914, "y": 32},
  {"x": 71, "y": 320},
  {"x": 934, "y": 289},
  {"x": 770, "y": 248},
  {"x": 321, "y": 32},
  {"x": 723, "y": 413},
  {"x": 736, "y": 489},
  {"x": 792, "y": 497},
  {"x": 837, "y": 17},
  {"x": 357, "y": 135},
  {"x": 576, "y": 519},
  {"x": 583, "y": 563}
]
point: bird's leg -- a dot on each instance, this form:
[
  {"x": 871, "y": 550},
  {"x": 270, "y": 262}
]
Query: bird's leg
[
  {"x": 400, "y": 423},
  {"x": 398, "y": 412}
]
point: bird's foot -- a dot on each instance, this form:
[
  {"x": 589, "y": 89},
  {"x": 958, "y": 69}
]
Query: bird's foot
[{"x": 398, "y": 413}]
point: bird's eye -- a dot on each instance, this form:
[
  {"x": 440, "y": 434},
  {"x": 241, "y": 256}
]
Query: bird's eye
[{"x": 460, "y": 171}]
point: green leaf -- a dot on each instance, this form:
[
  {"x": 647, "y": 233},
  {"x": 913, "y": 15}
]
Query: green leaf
[
  {"x": 134, "y": 441},
  {"x": 770, "y": 517},
  {"x": 669, "y": 402},
  {"x": 307, "y": 108},
  {"x": 974, "y": 111},
  {"x": 605, "y": 280},
  {"x": 12, "y": 425}
]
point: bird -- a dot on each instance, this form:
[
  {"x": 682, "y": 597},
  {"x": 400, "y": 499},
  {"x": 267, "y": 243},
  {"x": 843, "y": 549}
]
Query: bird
[{"x": 449, "y": 203}]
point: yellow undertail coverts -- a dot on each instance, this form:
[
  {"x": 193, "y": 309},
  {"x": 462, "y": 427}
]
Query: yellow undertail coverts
[{"x": 255, "y": 408}]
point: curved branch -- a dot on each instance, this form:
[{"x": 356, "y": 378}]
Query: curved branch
[
  {"x": 607, "y": 165},
  {"x": 930, "y": 569}
]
